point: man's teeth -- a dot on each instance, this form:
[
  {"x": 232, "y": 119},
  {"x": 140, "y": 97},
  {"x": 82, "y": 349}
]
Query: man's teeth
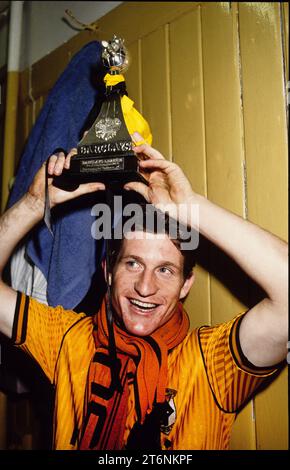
[{"x": 142, "y": 304}]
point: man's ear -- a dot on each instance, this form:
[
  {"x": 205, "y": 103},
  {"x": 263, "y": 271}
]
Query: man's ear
[
  {"x": 104, "y": 267},
  {"x": 187, "y": 286}
]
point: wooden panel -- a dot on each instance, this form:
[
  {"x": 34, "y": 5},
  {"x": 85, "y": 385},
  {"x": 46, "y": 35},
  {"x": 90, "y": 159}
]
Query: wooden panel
[
  {"x": 155, "y": 88},
  {"x": 38, "y": 107},
  {"x": 24, "y": 85},
  {"x": 22, "y": 127},
  {"x": 188, "y": 144},
  {"x": 140, "y": 18},
  {"x": 285, "y": 16},
  {"x": 187, "y": 99},
  {"x": 54, "y": 64},
  {"x": 266, "y": 157},
  {"x": 10, "y": 131},
  {"x": 28, "y": 119},
  {"x": 244, "y": 433},
  {"x": 225, "y": 156},
  {"x": 224, "y": 142},
  {"x": 265, "y": 130},
  {"x": 46, "y": 71},
  {"x": 272, "y": 415},
  {"x": 133, "y": 75}
]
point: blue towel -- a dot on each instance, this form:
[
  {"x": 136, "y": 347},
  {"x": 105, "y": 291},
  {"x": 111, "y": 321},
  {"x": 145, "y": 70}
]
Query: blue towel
[{"x": 70, "y": 258}]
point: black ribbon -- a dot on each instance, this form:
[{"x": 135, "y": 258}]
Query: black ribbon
[
  {"x": 109, "y": 311},
  {"x": 47, "y": 212}
]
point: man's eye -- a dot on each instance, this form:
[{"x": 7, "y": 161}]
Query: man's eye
[
  {"x": 132, "y": 264},
  {"x": 165, "y": 270}
]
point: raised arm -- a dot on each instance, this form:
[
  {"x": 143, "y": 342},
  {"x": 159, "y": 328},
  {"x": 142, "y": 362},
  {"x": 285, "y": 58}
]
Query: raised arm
[
  {"x": 16, "y": 222},
  {"x": 262, "y": 255}
]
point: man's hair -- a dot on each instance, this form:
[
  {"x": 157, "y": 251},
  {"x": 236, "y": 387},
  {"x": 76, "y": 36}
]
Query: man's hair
[{"x": 159, "y": 222}]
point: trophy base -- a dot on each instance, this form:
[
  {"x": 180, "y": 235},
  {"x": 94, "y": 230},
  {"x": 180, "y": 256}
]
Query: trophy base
[{"x": 114, "y": 171}]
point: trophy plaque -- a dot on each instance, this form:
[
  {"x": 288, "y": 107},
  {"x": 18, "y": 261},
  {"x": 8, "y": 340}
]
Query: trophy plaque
[{"x": 105, "y": 153}]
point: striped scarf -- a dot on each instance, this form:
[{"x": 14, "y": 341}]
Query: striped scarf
[{"x": 142, "y": 359}]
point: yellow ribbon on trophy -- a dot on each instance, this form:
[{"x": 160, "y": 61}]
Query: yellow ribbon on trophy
[{"x": 135, "y": 122}]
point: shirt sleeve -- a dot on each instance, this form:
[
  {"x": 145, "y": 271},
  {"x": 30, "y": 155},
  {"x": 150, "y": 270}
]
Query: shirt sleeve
[
  {"x": 232, "y": 378},
  {"x": 39, "y": 330}
]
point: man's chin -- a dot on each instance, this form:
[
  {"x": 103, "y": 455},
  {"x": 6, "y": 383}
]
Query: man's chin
[
  {"x": 135, "y": 329},
  {"x": 139, "y": 329}
]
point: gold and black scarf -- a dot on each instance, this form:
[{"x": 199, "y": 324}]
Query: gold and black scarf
[{"x": 142, "y": 359}]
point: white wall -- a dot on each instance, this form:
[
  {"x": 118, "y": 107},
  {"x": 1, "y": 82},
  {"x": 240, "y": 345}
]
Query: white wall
[{"x": 44, "y": 28}]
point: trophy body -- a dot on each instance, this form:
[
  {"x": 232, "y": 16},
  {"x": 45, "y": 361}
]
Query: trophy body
[{"x": 105, "y": 153}]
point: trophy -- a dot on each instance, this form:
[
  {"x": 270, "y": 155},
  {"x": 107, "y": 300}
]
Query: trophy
[{"x": 105, "y": 153}]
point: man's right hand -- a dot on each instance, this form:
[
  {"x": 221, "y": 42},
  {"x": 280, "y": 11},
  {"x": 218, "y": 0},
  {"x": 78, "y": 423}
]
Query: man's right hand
[
  {"x": 19, "y": 219},
  {"x": 168, "y": 189},
  {"x": 55, "y": 165}
]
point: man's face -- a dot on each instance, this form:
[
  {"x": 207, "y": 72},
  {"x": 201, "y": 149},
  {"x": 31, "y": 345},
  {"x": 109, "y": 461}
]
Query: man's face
[{"x": 147, "y": 282}]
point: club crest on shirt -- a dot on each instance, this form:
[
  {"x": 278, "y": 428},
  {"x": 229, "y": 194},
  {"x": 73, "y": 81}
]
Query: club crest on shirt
[{"x": 169, "y": 416}]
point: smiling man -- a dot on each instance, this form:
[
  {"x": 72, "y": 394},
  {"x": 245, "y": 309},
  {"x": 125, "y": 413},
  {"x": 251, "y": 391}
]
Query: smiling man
[
  {"x": 150, "y": 383},
  {"x": 148, "y": 282}
]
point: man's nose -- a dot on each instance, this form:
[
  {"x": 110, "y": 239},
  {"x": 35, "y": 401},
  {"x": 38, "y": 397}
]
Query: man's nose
[{"x": 146, "y": 284}]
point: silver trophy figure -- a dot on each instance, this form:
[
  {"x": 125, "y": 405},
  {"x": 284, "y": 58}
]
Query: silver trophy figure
[{"x": 115, "y": 56}]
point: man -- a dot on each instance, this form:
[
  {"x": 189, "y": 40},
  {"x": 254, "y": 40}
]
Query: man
[{"x": 173, "y": 389}]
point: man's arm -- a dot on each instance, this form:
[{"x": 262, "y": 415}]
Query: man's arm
[
  {"x": 262, "y": 255},
  {"x": 14, "y": 225},
  {"x": 22, "y": 217}
]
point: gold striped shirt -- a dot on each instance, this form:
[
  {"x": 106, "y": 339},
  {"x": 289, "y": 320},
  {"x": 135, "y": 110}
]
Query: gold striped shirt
[{"x": 208, "y": 370}]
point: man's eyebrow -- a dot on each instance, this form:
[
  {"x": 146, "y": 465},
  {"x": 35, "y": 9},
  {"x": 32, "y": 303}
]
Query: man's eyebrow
[
  {"x": 141, "y": 260},
  {"x": 138, "y": 258}
]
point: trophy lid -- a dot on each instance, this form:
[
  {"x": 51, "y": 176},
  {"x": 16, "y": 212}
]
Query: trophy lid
[{"x": 115, "y": 56}]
